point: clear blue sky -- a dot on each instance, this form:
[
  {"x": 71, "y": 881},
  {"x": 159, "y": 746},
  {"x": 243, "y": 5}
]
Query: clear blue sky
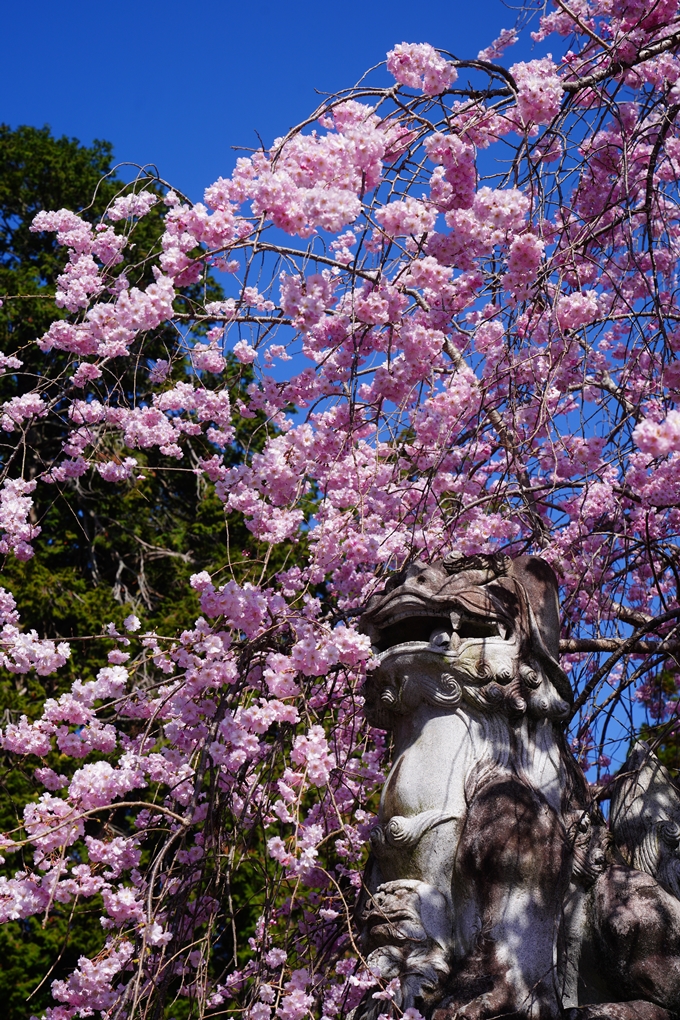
[{"x": 178, "y": 84}]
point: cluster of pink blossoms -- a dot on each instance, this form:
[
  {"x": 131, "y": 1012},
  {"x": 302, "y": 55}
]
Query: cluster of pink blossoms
[
  {"x": 419, "y": 66},
  {"x": 539, "y": 90}
]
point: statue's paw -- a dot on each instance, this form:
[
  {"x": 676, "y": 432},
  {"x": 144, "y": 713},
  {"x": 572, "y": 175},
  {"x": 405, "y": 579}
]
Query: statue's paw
[
  {"x": 481, "y": 1008},
  {"x": 501, "y": 1002}
]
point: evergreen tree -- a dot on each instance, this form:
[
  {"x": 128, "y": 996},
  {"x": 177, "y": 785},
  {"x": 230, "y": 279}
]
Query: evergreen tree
[{"x": 106, "y": 551}]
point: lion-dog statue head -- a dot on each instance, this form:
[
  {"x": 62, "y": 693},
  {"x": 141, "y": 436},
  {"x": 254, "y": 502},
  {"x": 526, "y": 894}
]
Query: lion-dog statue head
[{"x": 483, "y": 629}]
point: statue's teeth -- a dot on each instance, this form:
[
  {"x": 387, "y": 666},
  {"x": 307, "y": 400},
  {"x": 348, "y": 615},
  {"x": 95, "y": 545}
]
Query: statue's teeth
[{"x": 440, "y": 636}]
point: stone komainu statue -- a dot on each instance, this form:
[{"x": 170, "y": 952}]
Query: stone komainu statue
[{"x": 494, "y": 886}]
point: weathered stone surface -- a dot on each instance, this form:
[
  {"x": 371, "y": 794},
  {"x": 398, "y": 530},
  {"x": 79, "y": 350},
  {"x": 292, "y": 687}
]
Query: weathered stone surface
[
  {"x": 494, "y": 886},
  {"x": 645, "y": 818},
  {"x": 638, "y": 1009}
]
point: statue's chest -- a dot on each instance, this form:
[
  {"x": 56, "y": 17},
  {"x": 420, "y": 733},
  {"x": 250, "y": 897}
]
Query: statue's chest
[
  {"x": 441, "y": 757},
  {"x": 434, "y": 754}
]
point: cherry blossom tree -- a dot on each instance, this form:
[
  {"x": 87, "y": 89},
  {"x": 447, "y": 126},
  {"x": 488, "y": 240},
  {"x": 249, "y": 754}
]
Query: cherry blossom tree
[{"x": 456, "y": 298}]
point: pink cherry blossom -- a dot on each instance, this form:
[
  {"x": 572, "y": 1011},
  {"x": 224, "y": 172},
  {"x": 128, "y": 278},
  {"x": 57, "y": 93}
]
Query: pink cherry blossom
[
  {"x": 539, "y": 95},
  {"x": 131, "y": 205},
  {"x": 409, "y": 216},
  {"x": 419, "y": 66}
]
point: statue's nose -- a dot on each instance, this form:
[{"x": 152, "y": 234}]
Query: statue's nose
[{"x": 415, "y": 569}]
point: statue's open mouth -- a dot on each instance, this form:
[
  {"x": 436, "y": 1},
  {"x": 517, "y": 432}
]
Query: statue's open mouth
[{"x": 409, "y": 624}]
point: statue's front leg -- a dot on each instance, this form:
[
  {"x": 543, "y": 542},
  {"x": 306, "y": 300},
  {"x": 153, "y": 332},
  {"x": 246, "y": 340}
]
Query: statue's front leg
[
  {"x": 405, "y": 930},
  {"x": 404, "y": 918}
]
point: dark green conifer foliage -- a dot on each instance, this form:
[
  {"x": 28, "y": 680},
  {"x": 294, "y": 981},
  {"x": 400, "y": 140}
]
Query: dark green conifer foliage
[{"x": 105, "y": 550}]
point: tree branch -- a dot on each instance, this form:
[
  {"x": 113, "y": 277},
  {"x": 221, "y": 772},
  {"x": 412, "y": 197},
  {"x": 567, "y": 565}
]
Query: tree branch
[
  {"x": 575, "y": 645},
  {"x": 619, "y": 66}
]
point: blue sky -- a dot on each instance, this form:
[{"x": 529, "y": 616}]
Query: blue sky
[{"x": 179, "y": 84}]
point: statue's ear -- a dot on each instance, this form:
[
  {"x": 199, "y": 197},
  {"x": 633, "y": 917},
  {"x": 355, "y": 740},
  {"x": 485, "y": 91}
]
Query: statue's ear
[
  {"x": 540, "y": 586},
  {"x": 548, "y": 663}
]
